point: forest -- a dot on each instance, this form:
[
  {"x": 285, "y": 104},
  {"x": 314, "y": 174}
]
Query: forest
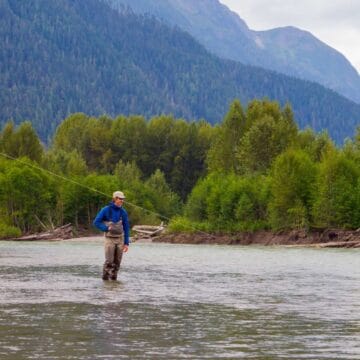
[
  {"x": 66, "y": 56},
  {"x": 255, "y": 170}
]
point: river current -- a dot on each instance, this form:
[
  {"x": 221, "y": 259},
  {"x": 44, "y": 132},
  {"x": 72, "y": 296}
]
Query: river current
[{"x": 178, "y": 302}]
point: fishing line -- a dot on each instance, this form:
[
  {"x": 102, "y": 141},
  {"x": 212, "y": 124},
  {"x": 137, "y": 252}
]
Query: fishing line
[
  {"x": 91, "y": 189},
  {"x": 79, "y": 184}
]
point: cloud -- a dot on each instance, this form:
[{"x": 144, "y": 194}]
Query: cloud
[{"x": 264, "y": 13}]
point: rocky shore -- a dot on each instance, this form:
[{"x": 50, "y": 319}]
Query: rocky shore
[{"x": 323, "y": 238}]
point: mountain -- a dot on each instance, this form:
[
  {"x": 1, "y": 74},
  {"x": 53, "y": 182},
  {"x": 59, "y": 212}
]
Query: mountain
[
  {"x": 63, "y": 56},
  {"x": 287, "y": 50},
  {"x": 299, "y": 53}
]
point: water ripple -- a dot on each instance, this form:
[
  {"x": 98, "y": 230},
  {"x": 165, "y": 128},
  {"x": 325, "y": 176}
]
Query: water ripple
[{"x": 178, "y": 302}]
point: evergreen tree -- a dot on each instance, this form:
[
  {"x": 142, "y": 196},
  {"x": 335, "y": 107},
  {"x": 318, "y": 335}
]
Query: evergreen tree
[
  {"x": 127, "y": 173},
  {"x": 128, "y": 141},
  {"x": 165, "y": 201},
  {"x": 270, "y": 131},
  {"x": 222, "y": 154},
  {"x": 22, "y": 141},
  {"x": 315, "y": 145},
  {"x": 7, "y": 143}
]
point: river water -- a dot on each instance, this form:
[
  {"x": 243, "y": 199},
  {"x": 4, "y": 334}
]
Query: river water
[{"x": 178, "y": 301}]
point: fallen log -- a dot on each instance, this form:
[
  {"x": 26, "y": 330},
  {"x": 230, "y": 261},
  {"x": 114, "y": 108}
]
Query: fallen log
[
  {"x": 340, "y": 244},
  {"x": 147, "y": 231},
  {"x": 331, "y": 244},
  {"x": 60, "y": 233}
]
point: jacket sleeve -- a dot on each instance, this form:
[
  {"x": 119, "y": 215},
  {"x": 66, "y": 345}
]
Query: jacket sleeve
[
  {"x": 126, "y": 227},
  {"x": 99, "y": 220}
]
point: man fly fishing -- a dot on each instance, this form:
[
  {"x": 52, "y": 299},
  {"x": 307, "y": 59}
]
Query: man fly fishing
[{"x": 113, "y": 221}]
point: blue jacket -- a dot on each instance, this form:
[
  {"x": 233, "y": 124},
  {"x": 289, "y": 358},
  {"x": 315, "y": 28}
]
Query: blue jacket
[{"x": 113, "y": 213}]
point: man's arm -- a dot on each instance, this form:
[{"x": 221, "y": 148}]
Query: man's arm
[
  {"x": 126, "y": 227},
  {"x": 99, "y": 220}
]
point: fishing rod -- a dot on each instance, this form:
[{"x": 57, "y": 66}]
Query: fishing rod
[{"x": 64, "y": 178}]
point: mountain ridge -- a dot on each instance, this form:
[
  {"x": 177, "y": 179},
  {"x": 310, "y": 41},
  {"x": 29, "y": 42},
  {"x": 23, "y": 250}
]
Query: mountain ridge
[
  {"x": 69, "y": 56},
  {"x": 227, "y": 35}
]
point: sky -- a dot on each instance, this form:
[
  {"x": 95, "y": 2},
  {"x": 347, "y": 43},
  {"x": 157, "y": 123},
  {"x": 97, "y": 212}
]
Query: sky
[{"x": 335, "y": 22}]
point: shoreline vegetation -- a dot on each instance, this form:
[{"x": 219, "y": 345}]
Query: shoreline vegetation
[{"x": 254, "y": 173}]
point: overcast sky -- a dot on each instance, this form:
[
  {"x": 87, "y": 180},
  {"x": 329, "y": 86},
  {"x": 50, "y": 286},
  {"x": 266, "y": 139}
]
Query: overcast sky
[{"x": 335, "y": 22}]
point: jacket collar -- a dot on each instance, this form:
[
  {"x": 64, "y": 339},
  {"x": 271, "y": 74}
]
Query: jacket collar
[{"x": 115, "y": 207}]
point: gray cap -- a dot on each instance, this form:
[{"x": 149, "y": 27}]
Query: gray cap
[{"x": 118, "y": 194}]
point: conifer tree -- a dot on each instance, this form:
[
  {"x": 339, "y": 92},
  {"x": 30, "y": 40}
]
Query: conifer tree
[{"x": 222, "y": 155}]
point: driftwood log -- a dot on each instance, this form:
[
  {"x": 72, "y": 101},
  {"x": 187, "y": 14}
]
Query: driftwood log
[
  {"x": 60, "y": 233},
  {"x": 334, "y": 244},
  {"x": 147, "y": 231}
]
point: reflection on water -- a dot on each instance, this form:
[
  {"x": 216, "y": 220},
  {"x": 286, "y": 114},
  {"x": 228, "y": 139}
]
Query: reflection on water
[{"x": 178, "y": 301}]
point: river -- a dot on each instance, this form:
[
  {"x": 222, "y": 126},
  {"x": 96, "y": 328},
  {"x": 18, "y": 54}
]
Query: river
[{"x": 178, "y": 302}]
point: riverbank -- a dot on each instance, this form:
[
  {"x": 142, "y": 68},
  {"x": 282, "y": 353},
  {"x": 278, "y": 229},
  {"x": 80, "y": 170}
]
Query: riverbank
[{"x": 324, "y": 238}]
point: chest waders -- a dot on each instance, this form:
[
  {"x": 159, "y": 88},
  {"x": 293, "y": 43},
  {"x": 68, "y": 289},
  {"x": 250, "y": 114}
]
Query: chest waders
[{"x": 114, "y": 245}]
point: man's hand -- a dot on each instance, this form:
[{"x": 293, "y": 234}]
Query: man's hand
[{"x": 125, "y": 248}]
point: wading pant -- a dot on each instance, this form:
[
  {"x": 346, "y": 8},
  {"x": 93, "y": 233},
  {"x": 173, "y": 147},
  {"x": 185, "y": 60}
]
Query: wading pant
[{"x": 113, "y": 254}]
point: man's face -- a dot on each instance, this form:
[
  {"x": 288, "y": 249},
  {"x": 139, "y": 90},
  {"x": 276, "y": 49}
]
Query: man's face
[{"x": 118, "y": 201}]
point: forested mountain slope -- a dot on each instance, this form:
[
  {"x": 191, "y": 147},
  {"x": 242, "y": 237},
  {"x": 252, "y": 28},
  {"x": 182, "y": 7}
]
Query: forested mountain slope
[
  {"x": 65, "y": 56},
  {"x": 288, "y": 50}
]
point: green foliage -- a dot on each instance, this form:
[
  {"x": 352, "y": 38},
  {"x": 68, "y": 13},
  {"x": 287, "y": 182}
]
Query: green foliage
[
  {"x": 351, "y": 148},
  {"x": 20, "y": 142},
  {"x": 221, "y": 156},
  {"x": 81, "y": 143},
  {"x": 315, "y": 145},
  {"x": 127, "y": 138},
  {"x": 259, "y": 146},
  {"x": 271, "y": 130},
  {"x": 8, "y": 231},
  {"x": 229, "y": 202},
  {"x": 80, "y": 203},
  {"x": 144, "y": 200},
  {"x": 154, "y": 200},
  {"x": 175, "y": 147},
  {"x": 127, "y": 173},
  {"x": 7, "y": 143},
  {"x": 180, "y": 224},
  {"x": 65, "y": 163},
  {"x": 165, "y": 201},
  {"x": 248, "y": 143},
  {"x": 89, "y": 137},
  {"x": 265, "y": 173},
  {"x": 357, "y": 138},
  {"x": 292, "y": 187},
  {"x": 196, "y": 206},
  {"x": 27, "y": 195},
  {"x": 337, "y": 203},
  {"x": 70, "y": 133}
]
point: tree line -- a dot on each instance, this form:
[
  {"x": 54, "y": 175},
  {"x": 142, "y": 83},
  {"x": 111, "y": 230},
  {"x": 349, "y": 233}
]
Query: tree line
[
  {"x": 264, "y": 173},
  {"x": 255, "y": 170},
  {"x": 156, "y": 163}
]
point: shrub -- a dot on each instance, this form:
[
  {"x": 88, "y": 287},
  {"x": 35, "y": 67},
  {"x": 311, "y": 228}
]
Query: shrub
[
  {"x": 182, "y": 224},
  {"x": 9, "y": 232}
]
